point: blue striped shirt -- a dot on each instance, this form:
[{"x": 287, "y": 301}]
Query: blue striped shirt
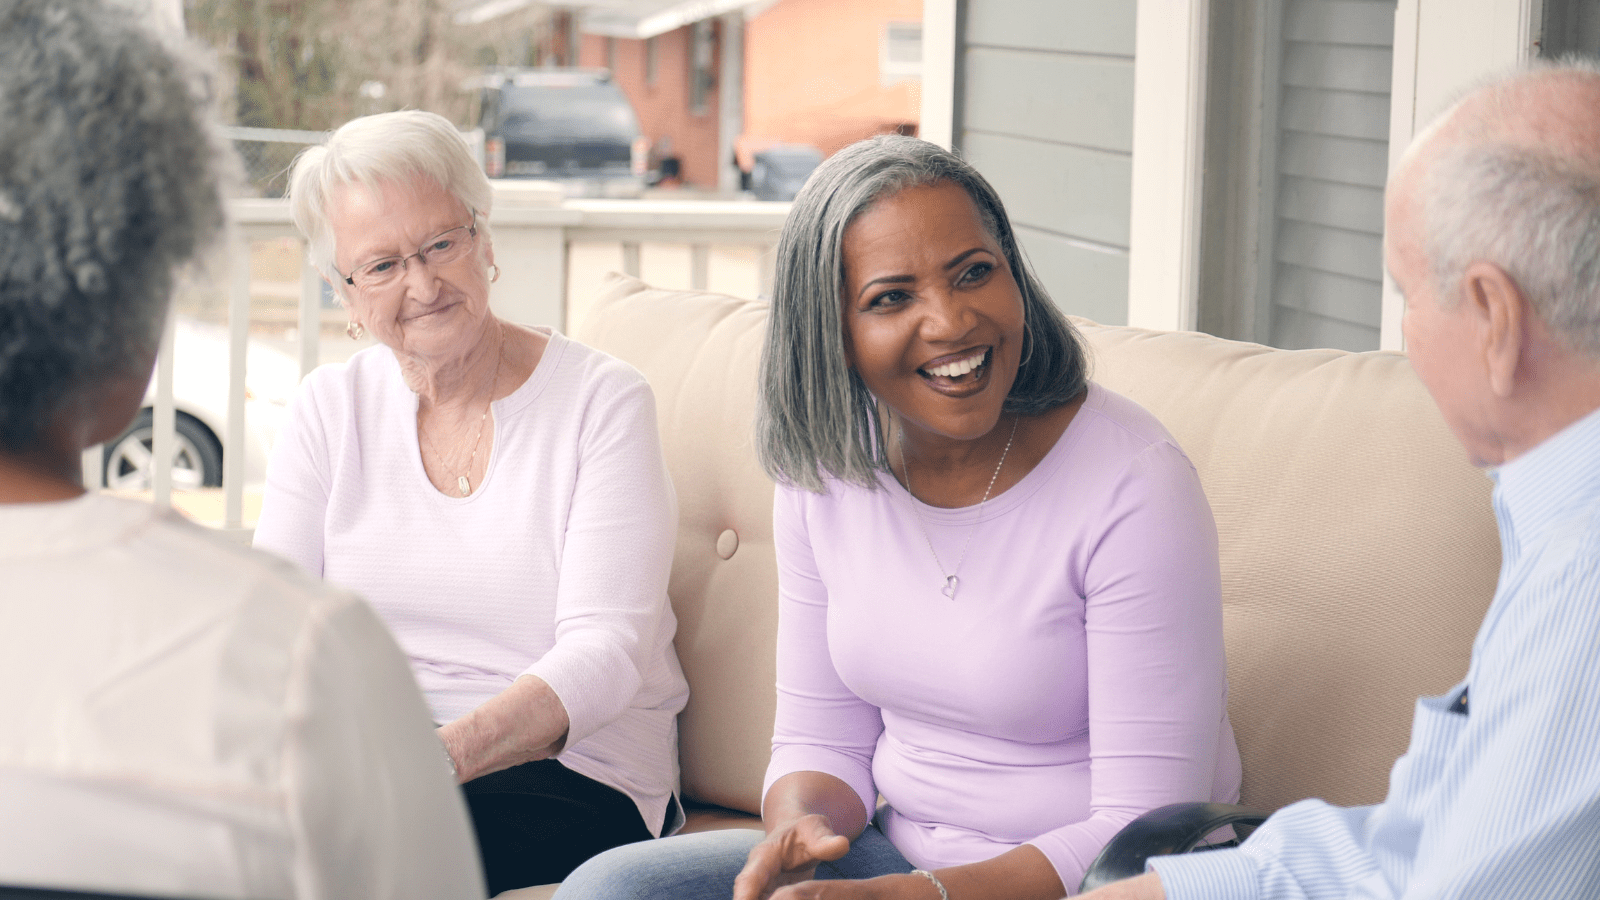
[{"x": 1500, "y": 802}]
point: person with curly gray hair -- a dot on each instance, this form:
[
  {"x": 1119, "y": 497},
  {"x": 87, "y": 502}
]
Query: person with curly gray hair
[
  {"x": 998, "y": 588},
  {"x": 183, "y": 716}
]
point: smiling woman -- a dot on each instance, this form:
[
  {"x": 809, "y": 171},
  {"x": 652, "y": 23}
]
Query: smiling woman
[
  {"x": 498, "y": 493},
  {"x": 933, "y": 319},
  {"x": 998, "y": 584}
]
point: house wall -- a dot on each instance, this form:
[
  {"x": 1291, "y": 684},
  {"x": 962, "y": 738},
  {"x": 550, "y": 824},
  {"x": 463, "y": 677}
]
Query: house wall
[
  {"x": 812, "y": 76},
  {"x": 1044, "y": 109},
  {"x": 663, "y": 104},
  {"x": 1332, "y": 159}
]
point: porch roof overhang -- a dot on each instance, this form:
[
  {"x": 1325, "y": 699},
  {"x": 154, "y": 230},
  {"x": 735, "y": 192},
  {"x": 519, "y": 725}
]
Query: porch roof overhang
[
  {"x": 619, "y": 18},
  {"x": 648, "y": 18},
  {"x": 616, "y": 18}
]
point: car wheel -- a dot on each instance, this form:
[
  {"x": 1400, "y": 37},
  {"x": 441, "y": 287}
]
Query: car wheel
[{"x": 196, "y": 456}]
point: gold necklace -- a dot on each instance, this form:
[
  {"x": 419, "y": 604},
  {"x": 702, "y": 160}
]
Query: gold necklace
[
  {"x": 463, "y": 484},
  {"x": 951, "y": 582}
]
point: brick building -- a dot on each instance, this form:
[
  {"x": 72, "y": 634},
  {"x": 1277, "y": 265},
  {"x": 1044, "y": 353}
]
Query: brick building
[{"x": 712, "y": 76}]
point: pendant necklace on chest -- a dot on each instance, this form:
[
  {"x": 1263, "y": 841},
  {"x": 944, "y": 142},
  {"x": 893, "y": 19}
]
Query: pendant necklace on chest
[
  {"x": 951, "y": 580},
  {"x": 463, "y": 483}
]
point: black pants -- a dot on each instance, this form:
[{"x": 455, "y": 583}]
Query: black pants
[{"x": 538, "y": 821}]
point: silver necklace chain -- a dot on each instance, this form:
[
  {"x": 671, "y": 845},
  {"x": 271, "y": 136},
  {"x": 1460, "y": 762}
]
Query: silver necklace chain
[{"x": 951, "y": 582}]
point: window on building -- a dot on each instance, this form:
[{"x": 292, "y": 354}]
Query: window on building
[
  {"x": 1293, "y": 233},
  {"x": 900, "y": 54},
  {"x": 1570, "y": 26},
  {"x": 651, "y": 54},
  {"x": 701, "y": 77},
  {"x": 611, "y": 54}
]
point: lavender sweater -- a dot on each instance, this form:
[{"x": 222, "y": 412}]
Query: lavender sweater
[
  {"x": 556, "y": 565},
  {"x": 1076, "y": 681}
]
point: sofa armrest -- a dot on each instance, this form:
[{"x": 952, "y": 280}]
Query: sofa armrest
[{"x": 1175, "y": 828}]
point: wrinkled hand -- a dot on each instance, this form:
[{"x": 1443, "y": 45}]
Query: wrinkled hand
[{"x": 789, "y": 855}]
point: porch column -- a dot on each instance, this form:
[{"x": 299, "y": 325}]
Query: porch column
[{"x": 730, "y": 99}]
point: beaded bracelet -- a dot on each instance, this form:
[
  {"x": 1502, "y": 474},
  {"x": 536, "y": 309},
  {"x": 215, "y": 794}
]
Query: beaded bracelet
[{"x": 943, "y": 894}]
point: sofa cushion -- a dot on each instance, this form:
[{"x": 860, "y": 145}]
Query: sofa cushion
[
  {"x": 1359, "y": 549},
  {"x": 700, "y": 353}
]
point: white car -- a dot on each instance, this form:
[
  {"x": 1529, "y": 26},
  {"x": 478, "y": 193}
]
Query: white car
[{"x": 200, "y": 394}]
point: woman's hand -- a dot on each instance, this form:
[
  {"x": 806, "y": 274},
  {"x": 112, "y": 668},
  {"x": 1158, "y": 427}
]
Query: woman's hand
[{"x": 789, "y": 855}]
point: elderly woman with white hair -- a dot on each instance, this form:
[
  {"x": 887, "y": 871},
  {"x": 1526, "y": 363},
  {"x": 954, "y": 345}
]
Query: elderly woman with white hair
[{"x": 498, "y": 493}]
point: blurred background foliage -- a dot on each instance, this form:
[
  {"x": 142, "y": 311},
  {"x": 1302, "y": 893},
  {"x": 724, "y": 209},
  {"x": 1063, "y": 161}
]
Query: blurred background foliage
[{"x": 313, "y": 64}]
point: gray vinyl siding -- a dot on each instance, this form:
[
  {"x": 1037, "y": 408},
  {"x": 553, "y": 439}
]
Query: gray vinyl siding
[
  {"x": 1331, "y": 162},
  {"x": 1046, "y": 114}
]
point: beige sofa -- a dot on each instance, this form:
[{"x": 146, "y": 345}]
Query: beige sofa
[{"x": 1359, "y": 550}]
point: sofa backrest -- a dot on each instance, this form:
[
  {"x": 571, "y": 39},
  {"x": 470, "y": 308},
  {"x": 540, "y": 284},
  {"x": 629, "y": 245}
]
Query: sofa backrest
[
  {"x": 700, "y": 352},
  {"x": 1358, "y": 547}
]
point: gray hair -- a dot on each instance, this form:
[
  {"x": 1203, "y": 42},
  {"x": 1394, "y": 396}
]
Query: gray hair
[
  {"x": 1532, "y": 211},
  {"x": 111, "y": 177},
  {"x": 815, "y": 416},
  {"x": 394, "y": 148}
]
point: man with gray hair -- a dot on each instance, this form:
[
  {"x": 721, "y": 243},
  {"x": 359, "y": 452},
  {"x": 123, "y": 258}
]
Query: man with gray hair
[{"x": 1493, "y": 235}]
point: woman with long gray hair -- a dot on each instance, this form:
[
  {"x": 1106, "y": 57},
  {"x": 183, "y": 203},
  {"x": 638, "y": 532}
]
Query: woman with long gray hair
[
  {"x": 998, "y": 582},
  {"x": 183, "y": 717}
]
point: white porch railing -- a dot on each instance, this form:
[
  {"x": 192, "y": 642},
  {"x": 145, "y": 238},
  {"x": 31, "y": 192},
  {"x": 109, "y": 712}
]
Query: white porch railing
[{"x": 535, "y": 234}]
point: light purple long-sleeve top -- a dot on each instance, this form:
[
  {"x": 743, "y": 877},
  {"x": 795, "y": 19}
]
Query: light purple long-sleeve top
[
  {"x": 1076, "y": 680},
  {"x": 555, "y": 566}
]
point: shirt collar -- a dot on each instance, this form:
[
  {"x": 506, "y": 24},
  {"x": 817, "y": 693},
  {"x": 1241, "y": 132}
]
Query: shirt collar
[{"x": 1555, "y": 476}]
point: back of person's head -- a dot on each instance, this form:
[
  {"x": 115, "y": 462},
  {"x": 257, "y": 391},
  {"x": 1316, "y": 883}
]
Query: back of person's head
[
  {"x": 1516, "y": 182},
  {"x": 109, "y": 182},
  {"x": 396, "y": 148}
]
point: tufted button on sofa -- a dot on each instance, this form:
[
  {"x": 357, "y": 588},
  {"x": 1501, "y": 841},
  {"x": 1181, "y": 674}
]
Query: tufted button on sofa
[{"x": 1359, "y": 550}]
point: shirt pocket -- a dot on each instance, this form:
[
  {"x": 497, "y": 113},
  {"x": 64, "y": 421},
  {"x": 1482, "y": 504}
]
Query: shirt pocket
[{"x": 1436, "y": 731}]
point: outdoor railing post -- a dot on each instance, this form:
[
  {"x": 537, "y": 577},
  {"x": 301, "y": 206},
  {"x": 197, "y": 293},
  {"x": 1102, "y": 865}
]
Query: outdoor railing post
[
  {"x": 93, "y": 467},
  {"x": 310, "y": 314},
  {"x": 768, "y": 267},
  {"x": 163, "y": 420},
  {"x": 238, "y": 348},
  {"x": 699, "y": 266}
]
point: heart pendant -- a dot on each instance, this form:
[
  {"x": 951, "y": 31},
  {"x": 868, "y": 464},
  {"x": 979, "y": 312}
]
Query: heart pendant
[{"x": 950, "y": 585}]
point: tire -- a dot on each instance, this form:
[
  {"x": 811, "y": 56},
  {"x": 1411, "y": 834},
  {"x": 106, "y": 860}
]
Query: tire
[{"x": 196, "y": 455}]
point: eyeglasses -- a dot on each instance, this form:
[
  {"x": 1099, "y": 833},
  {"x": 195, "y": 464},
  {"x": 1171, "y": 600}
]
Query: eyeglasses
[{"x": 441, "y": 250}]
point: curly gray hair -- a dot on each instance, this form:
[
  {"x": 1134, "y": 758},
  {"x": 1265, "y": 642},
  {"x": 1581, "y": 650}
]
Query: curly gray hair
[
  {"x": 814, "y": 415},
  {"x": 110, "y": 179}
]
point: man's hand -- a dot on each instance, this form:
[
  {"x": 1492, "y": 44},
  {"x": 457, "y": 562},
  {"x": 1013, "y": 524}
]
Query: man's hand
[
  {"x": 1144, "y": 887},
  {"x": 789, "y": 855}
]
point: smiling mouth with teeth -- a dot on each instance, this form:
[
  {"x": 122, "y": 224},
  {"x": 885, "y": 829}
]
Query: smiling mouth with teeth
[{"x": 960, "y": 368}]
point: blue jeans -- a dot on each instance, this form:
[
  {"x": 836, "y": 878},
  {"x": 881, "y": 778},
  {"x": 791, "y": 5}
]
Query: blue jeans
[{"x": 702, "y": 866}]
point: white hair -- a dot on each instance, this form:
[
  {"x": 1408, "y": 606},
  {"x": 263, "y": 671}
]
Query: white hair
[
  {"x": 387, "y": 148},
  {"x": 1533, "y": 211}
]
